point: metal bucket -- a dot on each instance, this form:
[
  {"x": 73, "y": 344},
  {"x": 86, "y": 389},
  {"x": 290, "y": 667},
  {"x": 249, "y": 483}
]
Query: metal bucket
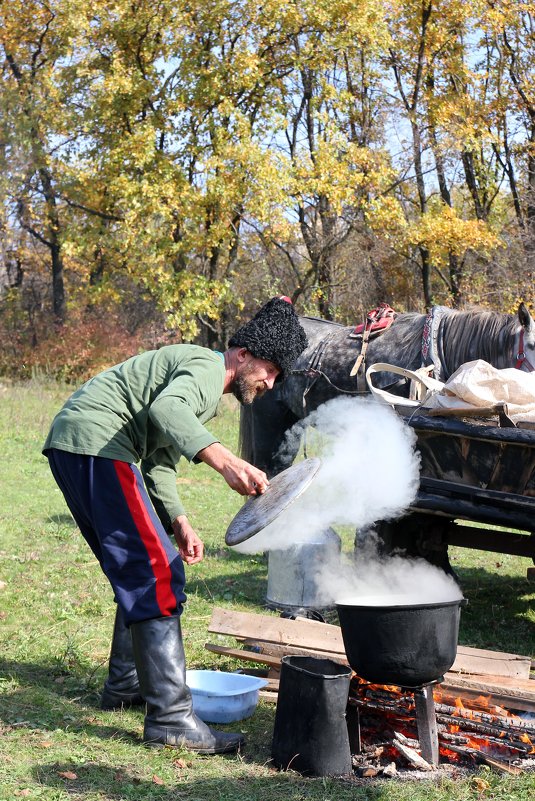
[{"x": 293, "y": 581}]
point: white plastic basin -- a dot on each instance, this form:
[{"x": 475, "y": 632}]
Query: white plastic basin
[{"x": 223, "y": 697}]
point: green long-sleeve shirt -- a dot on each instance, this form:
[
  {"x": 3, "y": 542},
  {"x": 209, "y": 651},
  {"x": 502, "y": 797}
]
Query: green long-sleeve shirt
[{"x": 149, "y": 409}]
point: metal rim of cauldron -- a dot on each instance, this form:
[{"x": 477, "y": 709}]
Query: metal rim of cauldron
[{"x": 401, "y": 607}]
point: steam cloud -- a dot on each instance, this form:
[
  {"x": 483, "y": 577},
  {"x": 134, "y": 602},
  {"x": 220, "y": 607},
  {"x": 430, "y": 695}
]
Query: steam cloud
[
  {"x": 369, "y": 472},
  {"x": 372, "y": 580}
]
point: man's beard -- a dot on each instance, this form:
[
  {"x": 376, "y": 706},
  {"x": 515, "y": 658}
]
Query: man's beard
[{"x": 246, "y": 389}]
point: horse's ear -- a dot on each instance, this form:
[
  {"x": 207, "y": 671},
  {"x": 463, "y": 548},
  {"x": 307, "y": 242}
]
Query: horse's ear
[{"x": 525, "y": 318}]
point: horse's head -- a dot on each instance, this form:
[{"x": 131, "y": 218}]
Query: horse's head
[{"x": 525, "y": 359}]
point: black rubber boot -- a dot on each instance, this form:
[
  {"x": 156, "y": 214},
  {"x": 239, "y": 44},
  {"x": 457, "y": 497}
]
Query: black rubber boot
[
  {"x": 161, "y": 668},
  {"x": 121, "y": 688}
]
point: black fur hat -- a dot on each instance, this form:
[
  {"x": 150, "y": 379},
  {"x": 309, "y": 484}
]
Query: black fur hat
[{"x": 274, "y": 334}]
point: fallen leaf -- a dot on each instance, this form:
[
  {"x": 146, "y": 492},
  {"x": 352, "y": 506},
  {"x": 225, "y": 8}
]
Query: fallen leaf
[
  {"x": 24, "y": 792},
  {"x": 67, "y": 774},
  {"x": 480, "y": 784},
  {"x": 180, "y": 763},
  {"x": 157, "y": 780},
  {"x": 45, "y": 744}
]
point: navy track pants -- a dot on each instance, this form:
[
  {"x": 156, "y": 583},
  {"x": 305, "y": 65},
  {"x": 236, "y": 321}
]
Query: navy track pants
[{"x": 110, "y": 504}]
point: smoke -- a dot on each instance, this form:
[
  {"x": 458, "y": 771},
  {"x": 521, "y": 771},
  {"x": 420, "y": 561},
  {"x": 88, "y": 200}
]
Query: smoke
[{"x": 369, "y": 472}]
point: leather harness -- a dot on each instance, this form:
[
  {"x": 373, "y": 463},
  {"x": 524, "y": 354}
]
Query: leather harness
[{"x": 522, "y": 360}]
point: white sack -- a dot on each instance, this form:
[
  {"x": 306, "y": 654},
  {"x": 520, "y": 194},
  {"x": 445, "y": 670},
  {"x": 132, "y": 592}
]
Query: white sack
[{"x": 478, "y": 384}]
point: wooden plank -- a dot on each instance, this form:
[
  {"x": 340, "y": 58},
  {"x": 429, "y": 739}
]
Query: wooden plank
[
  {"x": 491, "y": 663},
  {"x": 513, "y": 686},
  {"x": 498, "y": 697},
  {"x": 308, "y": 633},
  {"x": 268, "y": 695},
  {"x": 507, "y": 692},
  {"x": 276, "y": 650},
  {"x": 469, "y": 660},
  {"x": 241, "y": 653}
]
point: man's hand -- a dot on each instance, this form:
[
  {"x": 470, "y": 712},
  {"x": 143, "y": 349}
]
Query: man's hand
[
  {"x": 244, "y": 478},
  {"x": 190, "y": 546}
]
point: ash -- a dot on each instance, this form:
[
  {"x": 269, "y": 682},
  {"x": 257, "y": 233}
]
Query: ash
[{"x": 366, "y": 773}]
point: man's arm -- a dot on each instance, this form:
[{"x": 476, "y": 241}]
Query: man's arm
[{"x": 244, "y": 478}]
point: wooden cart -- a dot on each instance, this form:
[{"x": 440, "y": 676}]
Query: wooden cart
[{"x": 471, "y": 470}]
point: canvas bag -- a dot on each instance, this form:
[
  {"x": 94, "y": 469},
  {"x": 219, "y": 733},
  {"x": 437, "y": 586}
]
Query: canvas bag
[{"x": 479, "y": 385}]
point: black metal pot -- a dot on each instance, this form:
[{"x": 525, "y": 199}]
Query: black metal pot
[{"x": 408, "y": 645}]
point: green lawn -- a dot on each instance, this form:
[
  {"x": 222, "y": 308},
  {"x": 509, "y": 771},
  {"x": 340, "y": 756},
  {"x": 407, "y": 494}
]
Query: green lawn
[{"x": 56, "y": 615}]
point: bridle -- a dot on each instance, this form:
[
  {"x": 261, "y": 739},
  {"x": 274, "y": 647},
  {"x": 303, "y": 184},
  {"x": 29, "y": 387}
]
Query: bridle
[{"x": 522, "y": 361}]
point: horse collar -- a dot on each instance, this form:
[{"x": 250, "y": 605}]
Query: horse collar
[{"x": 522, "y": 361}]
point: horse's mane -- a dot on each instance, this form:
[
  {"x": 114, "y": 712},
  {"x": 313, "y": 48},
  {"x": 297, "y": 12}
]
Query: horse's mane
[{"x": 476, "y": 333}]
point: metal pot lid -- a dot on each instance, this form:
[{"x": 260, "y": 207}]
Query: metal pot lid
[{"x": 261, "y": 510}]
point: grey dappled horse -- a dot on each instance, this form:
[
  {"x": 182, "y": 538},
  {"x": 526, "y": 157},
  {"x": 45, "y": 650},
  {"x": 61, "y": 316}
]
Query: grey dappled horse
[{"x": 323, "y": 370}]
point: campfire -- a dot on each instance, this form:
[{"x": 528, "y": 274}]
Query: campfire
[{"x": 420, "y": 728}]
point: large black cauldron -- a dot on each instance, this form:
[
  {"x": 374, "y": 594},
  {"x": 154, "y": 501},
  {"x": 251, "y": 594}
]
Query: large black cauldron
[{"x": 409, "y": 645}]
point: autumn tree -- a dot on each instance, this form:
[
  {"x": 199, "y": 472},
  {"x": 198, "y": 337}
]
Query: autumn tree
[
  {"x": 36, "y": 41},
  {"x": 201, "y": 155}
]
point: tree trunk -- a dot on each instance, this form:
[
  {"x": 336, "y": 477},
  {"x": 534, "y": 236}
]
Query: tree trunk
[
  {"x": 454, "y": 269},
  {"x": 471, "y": 182},
  {"x": 426, "y": 276},
  {"x": 54, "y": 244},
  {"x": 530, "y": 205}
]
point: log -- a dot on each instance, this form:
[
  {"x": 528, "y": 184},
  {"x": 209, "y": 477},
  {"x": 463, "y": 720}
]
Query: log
[
  {"x": 412, "y": 756},
  {"x": 492, "y": 762},
  {"x": 509, "y": 723}
]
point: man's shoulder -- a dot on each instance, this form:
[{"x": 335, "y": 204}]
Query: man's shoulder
[
  {"x": 187, "y": 352},
  {"x": 205, "y": 365}
]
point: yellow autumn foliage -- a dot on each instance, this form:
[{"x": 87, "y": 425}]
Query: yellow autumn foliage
[{"x": 442, "y": 232}]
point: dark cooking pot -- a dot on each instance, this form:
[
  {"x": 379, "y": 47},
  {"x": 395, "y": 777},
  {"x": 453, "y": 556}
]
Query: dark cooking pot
[{"x": 407, "y": 645}]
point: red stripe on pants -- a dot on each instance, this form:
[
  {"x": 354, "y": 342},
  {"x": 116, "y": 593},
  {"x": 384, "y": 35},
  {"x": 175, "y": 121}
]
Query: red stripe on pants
[{"x": 165, "y": 598}]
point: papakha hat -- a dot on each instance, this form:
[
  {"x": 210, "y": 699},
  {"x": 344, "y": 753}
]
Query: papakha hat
[{"x": 274, "y": 334}]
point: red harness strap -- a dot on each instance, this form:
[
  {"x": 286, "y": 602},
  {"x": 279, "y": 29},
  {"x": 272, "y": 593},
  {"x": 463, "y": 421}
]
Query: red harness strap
[{"x": 521, "y": 358}]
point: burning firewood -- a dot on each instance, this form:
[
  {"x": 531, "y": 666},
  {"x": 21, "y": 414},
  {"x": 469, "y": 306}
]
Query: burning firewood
[{"x": 400, "y": 743}]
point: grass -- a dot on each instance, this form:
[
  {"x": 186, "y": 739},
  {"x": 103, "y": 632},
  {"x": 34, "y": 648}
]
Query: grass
[{"x": 56, "y": 616}]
